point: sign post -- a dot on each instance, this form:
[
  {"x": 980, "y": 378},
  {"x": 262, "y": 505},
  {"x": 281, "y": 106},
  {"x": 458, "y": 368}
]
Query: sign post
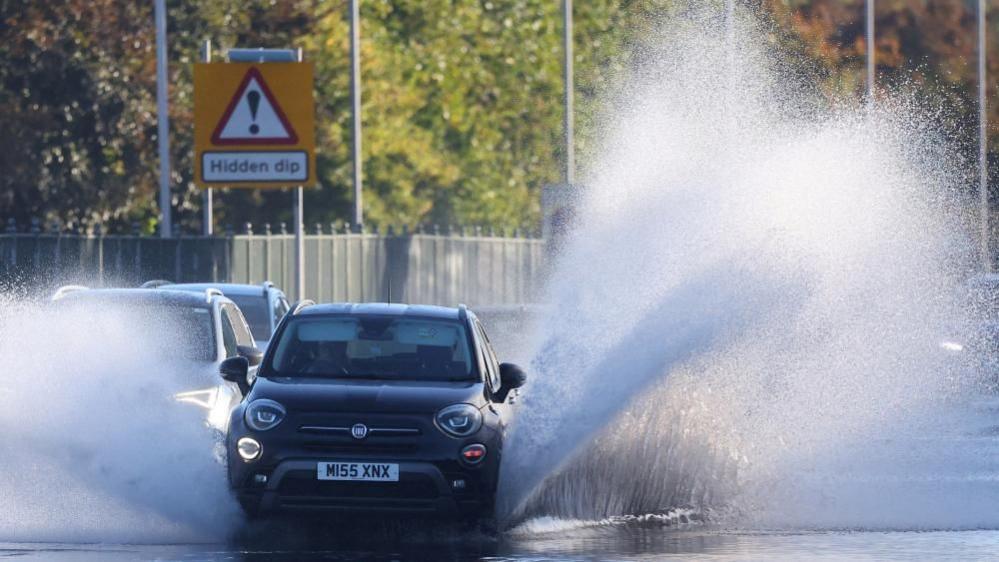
[
  {"x": 254, "y": 127},
  {"x": 299, "y": 213},
  {"x": 208, "y": 211}
]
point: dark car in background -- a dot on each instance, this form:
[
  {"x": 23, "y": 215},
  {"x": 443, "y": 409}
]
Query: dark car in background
[
  {"x": 198, "y": 331},
  {"x": 262, "y": 305},
  {"x": 383, "y": 408}
]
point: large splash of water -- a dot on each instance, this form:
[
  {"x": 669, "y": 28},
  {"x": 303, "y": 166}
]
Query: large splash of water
[
  {"x": 95, "y": 448},
  {"x": 746, "y": 319}
]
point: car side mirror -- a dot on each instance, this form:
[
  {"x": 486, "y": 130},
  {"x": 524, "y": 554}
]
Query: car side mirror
[
  {"x": 234, "y": 369},
  {"x": 251, "y": 353},
  {"x": 511, "y": 377}
]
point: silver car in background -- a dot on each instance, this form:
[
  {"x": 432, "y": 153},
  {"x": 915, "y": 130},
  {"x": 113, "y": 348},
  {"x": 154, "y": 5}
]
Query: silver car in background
[
  {"x": 197, "y": 330},
  {"x": 262, "y": 305}
]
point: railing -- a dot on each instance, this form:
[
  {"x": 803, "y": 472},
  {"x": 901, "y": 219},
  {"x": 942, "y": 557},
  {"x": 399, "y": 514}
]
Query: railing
[{"x": 471, "y": 267}]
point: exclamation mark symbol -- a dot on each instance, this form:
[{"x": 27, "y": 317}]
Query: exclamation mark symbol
[{"x": 253, "y": 98}]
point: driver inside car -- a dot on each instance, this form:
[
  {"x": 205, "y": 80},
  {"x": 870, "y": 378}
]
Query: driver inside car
[{"x": 330, "y": 358}]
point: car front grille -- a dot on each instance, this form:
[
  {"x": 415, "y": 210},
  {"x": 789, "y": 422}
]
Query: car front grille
[
  {"x": 372, "y": 431},
  {"x": 360, "y": 447}
]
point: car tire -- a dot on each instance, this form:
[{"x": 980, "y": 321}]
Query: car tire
[
  {"x": 487, "y": 526},
  {"x": 250, "y": 507}
]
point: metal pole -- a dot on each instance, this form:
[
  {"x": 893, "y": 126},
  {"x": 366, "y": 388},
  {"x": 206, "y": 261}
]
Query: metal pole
[
  {"x": 730, "y": 61},
  {"x": 355, "y": 98},
  {"x": 208, "y": 211},
  {"x": 163, "y": 120},
  {"x": 299, "y": 211},
  {"x": 568, "y": 176},
  {"x": 983, "y": 140},
  {"x": 730, "y": 28},
  {"x": 871, "y": 56}
]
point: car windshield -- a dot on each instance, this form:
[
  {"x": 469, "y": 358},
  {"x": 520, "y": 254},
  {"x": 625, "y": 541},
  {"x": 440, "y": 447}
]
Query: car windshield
[
  {"x": 257, "y": 312},
  {"x": 174, "y": 331},
  {"x": 188, "y": 331},
  {"x": 375, "y": 347}
]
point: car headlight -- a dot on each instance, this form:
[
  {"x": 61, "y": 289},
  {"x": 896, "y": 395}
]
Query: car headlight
[
  {"x": 459, "y": 420},
  {"x": 264, "y": 414}
]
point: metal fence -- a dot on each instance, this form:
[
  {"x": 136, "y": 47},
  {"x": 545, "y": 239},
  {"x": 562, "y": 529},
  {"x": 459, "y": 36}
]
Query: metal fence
[{"x": 426, "y": 268}]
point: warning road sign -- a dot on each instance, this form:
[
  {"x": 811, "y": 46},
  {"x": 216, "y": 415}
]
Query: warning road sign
[
  {"x": 254, "y": 124},
  {"x": 253, "y": 116}
]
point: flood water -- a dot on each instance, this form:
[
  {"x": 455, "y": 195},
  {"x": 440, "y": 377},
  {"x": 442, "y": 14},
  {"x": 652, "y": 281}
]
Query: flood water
[
  {"x": 967, "y": 492},
  {"x": 618, "y": 543}
]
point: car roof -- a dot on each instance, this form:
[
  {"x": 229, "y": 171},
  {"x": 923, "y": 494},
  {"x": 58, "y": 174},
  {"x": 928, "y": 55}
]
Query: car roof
[
  {"x": 382, "y": 309},
  {"x": 226, "y": 288},
  {"x": 139, "y": 296}
]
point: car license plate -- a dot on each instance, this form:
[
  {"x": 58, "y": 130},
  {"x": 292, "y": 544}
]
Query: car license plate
[{"x": 359, "y": 471}]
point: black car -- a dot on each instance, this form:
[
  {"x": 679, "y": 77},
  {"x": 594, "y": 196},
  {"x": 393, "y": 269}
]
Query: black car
[{"x": 372, "y": 408}]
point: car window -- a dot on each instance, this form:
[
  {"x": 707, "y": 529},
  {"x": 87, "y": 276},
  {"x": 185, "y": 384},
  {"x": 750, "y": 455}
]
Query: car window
[
  {"x": 280, "y": 309},
  {"x": 375, "y": 347},
  {"x": 256, "y": 311},
  {"x": 489, "y": 357},
  {"x": 228, "y": 335},
  {"x": 186, "y": 331},
  {"x": 239, "y": 326}
]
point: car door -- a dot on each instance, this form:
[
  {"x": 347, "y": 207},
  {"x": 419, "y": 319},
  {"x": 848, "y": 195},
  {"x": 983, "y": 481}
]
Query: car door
[
  {"x": 243, "y": 337},
  {"x": 227, "y": 394},
  {"x": 492, "y": 374}
]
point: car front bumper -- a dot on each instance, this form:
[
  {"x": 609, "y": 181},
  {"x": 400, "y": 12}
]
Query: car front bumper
[
  {"x": 424, "y": 488},
  {"x": 432, "y": 477}
]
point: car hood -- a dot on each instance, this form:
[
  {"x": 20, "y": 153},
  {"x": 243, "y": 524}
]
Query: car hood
[{"x": 350, "y": 395}]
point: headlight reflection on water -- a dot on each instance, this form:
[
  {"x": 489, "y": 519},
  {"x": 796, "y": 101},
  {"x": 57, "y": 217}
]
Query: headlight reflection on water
[
  {"x": 202, "y": 398},
  {"x": 212, "y": 400}
]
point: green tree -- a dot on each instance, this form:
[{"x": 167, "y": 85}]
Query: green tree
[
  {"x": 462, "y": 99},
  {"x": 75, "y": 93}
]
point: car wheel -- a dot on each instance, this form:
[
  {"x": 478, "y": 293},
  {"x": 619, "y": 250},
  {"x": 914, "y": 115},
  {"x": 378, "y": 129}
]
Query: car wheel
[
  {"x": 250, "y": 507},
  {"x": 487, "y": 526}
]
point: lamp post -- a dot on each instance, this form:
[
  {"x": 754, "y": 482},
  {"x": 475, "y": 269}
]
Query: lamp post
[
  {"x": 355, "y": 104},
  {"x": 163, "y": 120},
  {"x": 983, "y": 141},
  {"x": 568, "y": 176},
  {"x": 871, "y": 56}
]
